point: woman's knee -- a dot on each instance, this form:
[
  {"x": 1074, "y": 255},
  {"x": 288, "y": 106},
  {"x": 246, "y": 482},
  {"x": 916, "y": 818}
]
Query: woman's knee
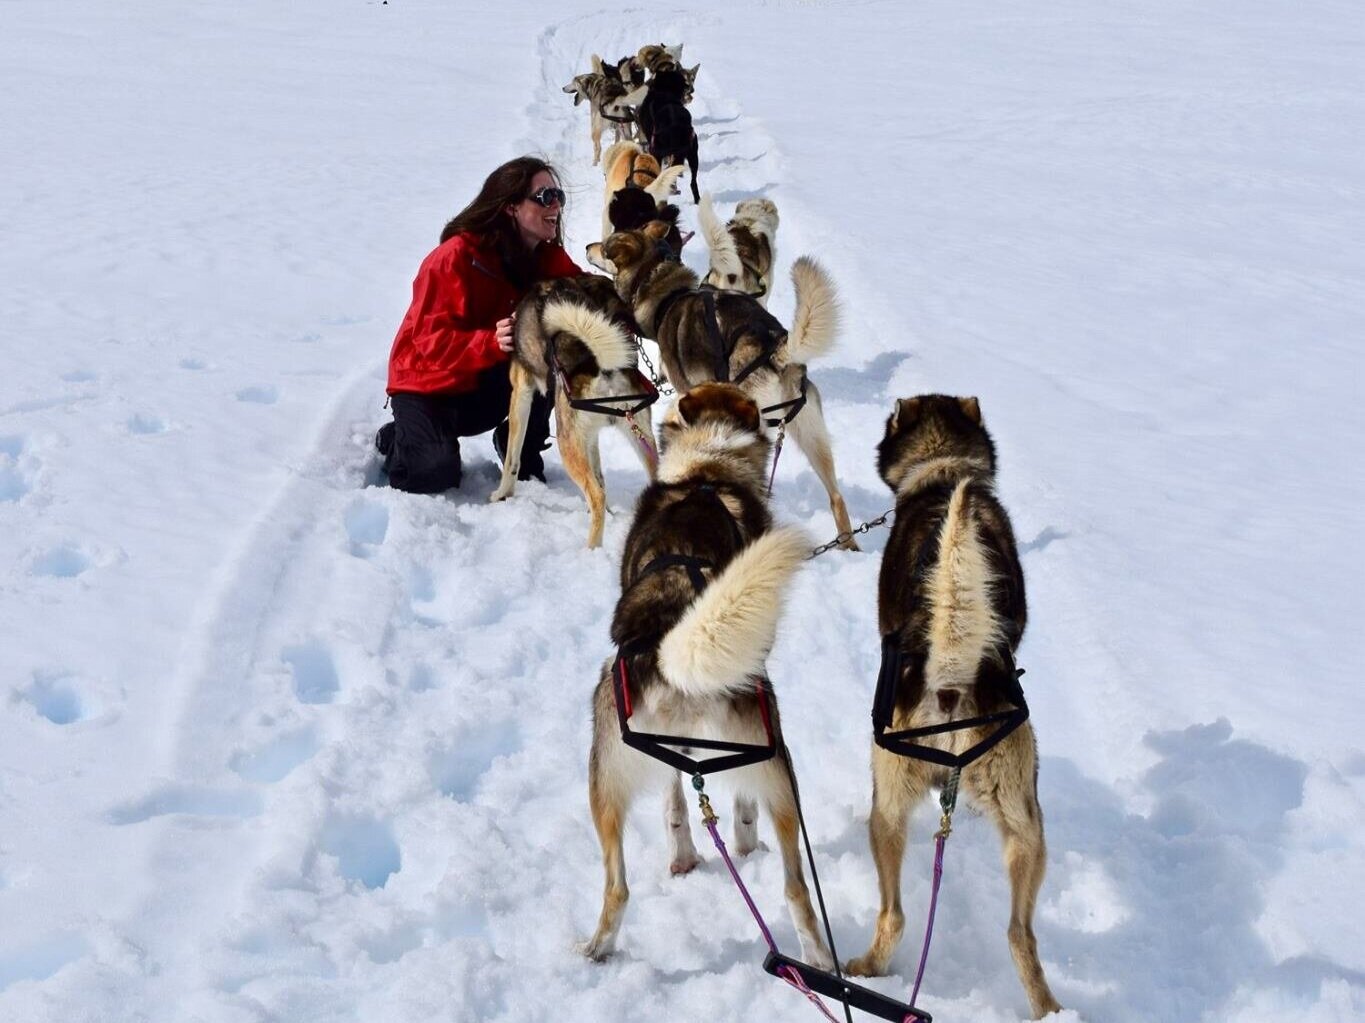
[{"x": 425, "y": 468}]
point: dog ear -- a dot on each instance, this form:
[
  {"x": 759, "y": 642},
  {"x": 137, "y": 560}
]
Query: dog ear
[
  {"x": 971, "y": 408},
  {"x": 656, "y": 230},
  {"x": 691, "y": 72},
  {"x": 906, "y": 411},
  {"x": 596, "y": 64}
]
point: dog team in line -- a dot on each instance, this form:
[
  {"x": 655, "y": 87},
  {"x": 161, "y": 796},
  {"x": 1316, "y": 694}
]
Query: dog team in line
[{"x": 504, "y": 324}]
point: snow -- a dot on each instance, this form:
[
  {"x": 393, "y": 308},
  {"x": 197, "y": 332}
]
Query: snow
[{"x": 278, "y": 743}]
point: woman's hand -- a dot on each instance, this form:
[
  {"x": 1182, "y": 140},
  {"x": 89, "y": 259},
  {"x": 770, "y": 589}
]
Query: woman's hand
[{"x": 504, "y": 332}]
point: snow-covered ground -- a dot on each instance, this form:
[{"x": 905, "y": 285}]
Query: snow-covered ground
[{"x": 277, "y": 743}]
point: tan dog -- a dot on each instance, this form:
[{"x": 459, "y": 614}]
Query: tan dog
[
  {"x": 744, "y": 250},
  {"x": 610, "y": 101},
  {"x": 690, "y": 659},
  {"x": 952, "y": 608},
  {"x": 574, "y": 332},
  {"x": 626, "y": 164}
]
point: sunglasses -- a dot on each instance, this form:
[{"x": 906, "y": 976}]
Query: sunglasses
[{"x": 548, "y": 196}]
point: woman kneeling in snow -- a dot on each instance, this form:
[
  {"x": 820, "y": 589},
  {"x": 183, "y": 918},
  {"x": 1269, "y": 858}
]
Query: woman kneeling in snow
[{"x": 448, "y": 367}]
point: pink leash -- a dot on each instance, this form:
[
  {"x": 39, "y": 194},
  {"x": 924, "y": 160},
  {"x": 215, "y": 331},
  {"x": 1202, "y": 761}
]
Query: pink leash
[{"x": 786, "y": 973}]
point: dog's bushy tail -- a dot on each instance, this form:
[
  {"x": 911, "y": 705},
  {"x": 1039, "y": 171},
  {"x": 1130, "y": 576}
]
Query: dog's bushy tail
[
  {"x": 609, "y": 344},
  {"x": 614, "y": 148},
  {"x": 662, "y": 187},
  {"x": 723, "y": 638},
  {"x": 725, "y": 262},
  {"x": 815, "y": 324}
]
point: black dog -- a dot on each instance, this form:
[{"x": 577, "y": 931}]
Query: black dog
[
  {"x": 632, "y": 208},
  {"x": 667, "y": 126}
]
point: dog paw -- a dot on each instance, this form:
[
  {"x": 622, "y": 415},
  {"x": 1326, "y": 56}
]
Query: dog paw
[
  {"x": 817, "y": 956},
  {"x": 502, "y": 493},
  {"x": 863, "y": 966},
  {"x": 745, "y": 848},
  {"x": 684, "y": 864},
  {"x": 597, "y": 951}
]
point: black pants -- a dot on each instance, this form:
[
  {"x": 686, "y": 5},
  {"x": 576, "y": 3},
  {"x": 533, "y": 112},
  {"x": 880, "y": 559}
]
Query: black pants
[{"x": 422, "y": 452}]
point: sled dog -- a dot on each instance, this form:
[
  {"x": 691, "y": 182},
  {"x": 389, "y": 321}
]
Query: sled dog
[
  {"x": 625, "y": 165},
  {"x": 952, "y": 597},
  {"x": 743, "y": 251},
  {"x": 695, "y": 650},
  {"x": 741, "y": 341},
  {"x": 665, "y": 124},
  {"x": 572, "y": 335},
  {"x": 610, "y": 101}
]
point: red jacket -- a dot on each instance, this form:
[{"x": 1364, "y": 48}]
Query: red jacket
[{"x": 460, "y": 293}]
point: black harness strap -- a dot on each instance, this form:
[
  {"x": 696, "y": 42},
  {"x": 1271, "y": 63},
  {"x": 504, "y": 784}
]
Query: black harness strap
[
  {"x": 902, "y": 743},
  {"x": 642, "y": 400}
]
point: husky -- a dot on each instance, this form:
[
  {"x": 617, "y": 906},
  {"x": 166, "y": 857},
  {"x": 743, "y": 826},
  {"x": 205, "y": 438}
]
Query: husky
[
  {"x": 626, "y": 165},
  {"x": 696, "y": 659},
  {"x": 739, "y": 340},
  {"x": 951, "y": 596},
  {"x": 609, "y": 100},
  {"x": 575, "y": 332},
  {"x": 743, "y": 252},
  {"x": 665, "y": 124}
]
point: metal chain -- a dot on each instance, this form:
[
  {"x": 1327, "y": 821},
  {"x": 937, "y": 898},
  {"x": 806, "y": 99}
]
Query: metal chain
[
  {"x": 662, "y": 385},
  {"x": 844, "y": 538}
]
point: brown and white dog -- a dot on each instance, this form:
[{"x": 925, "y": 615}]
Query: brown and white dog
[
  {"x": 574, "y": 333},
  {"x": 952, "y": 598},
  {"x": 744, "y": 250},
  {"x": 610, "y": 101},
  {"x": 740, "y": 339},
  {"x": 694, "y": 657},
  {"x": 626, "y": 164}
]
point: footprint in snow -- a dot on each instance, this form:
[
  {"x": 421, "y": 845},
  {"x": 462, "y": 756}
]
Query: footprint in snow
[
  {"x": 367, "y": 523},
  {"x": 364, "y": 848},
  {"x": 314, "y": 671},
  {"x": 457, "y": 769},
  {"x": 146, "y": 424},
  {"x": 262, "y": 395},
  {"x": 65, "y": 561},
  {"x": 61, "y": 698},
  {"x": 16, "y": 470}
]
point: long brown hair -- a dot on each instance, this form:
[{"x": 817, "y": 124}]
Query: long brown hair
[{"x": 488, "y": 218}]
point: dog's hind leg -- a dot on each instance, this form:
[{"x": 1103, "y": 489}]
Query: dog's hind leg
[
  {"x": 1005, "y": 786},
  {"x": 610, "y": 787},
  {"x": 518, "y": 414},
  {"x": 746, "y": 824},
  {"x": 682, "y": 853},
  {"x": 812, "y": 437},
  {"x": 578, "y": 451},
  {"x": 897, "y": 785},
  {"x": 781, "y": 799}
]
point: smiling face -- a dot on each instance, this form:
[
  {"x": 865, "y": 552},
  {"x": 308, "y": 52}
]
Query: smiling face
[{"x": 537, "y": 223}]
